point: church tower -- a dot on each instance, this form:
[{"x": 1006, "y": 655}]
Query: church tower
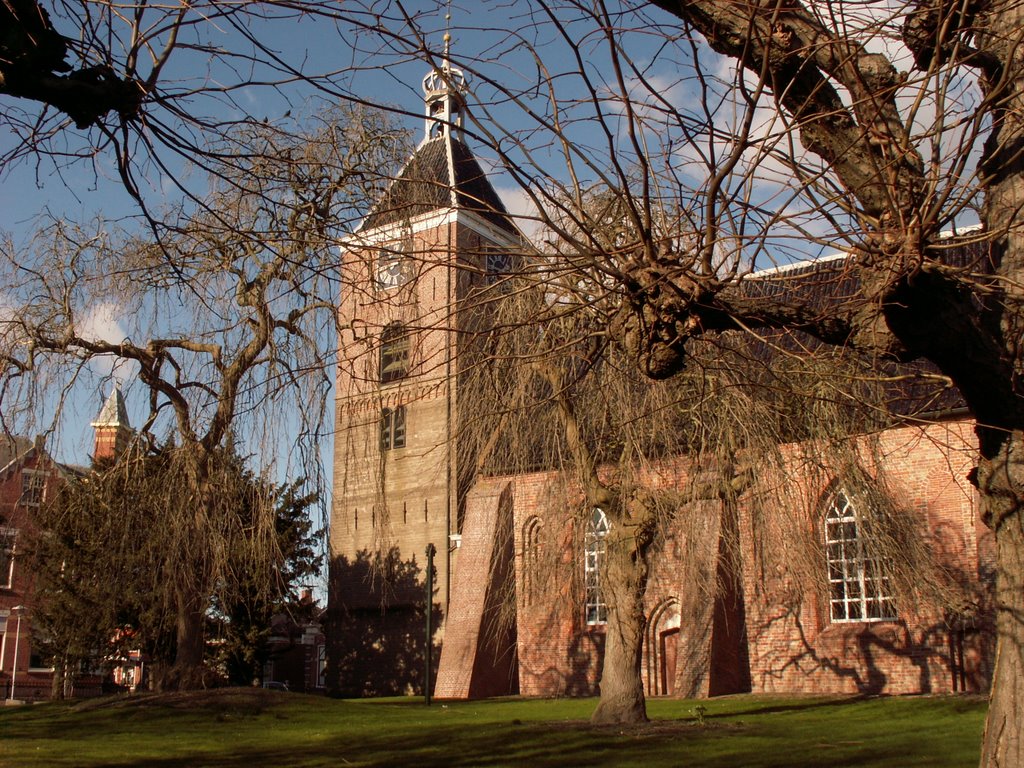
[
  {"x": 111, "y": 430},
  {"x": 409, "y": 311}
]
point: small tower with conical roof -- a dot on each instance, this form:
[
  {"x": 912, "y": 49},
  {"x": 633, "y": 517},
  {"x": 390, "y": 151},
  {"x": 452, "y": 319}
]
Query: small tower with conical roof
[{"x": 111, "y": 430}]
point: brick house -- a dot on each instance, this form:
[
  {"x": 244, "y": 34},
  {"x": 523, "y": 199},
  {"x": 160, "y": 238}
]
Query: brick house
[
  {"x": 722, "y": 616},
  {"x": 297, "y": 647},
  {"x": 28, "y": 477}
]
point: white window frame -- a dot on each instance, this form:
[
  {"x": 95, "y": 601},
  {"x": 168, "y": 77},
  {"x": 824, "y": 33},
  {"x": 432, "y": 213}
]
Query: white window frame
[
  {"x": 33, "y": 487},
  {"x": 860, "y": 589},
  {"x": 595, "y": 551},
  {"x": 9, "y": 545}
]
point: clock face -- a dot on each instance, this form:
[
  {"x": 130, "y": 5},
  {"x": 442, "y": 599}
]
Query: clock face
[
  {"x": 392, "y": 270},
  {"x": 498, "y": 264}
]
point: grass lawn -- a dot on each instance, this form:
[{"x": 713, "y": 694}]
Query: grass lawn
[{"x": 254, "y": 728}]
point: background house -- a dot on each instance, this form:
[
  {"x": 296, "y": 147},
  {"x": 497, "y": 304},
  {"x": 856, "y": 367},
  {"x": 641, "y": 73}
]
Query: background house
[{"x": 28, "y": 477}]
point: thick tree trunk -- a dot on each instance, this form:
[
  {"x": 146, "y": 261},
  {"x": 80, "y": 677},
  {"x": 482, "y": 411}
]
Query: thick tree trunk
[
  {"x": 1001, "y": 479},
  {"x": 1001, "y": 466},
  {"x": 622, "y": 692},
  {"x": 187, "y": 673}
]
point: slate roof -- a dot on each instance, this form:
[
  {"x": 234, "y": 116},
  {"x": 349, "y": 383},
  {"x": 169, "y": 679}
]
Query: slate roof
[
  {"x": 910, "y": 388},
  {"x": 427, "y": 183}
]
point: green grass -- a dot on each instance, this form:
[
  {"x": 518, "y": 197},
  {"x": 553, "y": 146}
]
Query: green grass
[{"x": 262, "y": 728}]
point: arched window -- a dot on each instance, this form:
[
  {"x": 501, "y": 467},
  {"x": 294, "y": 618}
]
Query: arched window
[
  {"x": 859, "y": 585},
  {"x": 595, "y": 551},
  {"x": 531, "y": 558},
  {"x": 394, "y": 353}
]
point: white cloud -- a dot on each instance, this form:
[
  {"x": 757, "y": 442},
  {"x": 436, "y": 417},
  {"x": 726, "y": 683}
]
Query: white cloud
[
  {"x": 101, "y": 323},
  {"x": 522, "y": 209}
]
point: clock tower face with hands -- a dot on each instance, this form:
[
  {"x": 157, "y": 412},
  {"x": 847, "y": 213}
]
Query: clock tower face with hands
[
  {"x": 394, "y": 264},
  {"x": 436, "y": 236}
]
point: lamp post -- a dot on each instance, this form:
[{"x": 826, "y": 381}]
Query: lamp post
[
  {"x": 431, "y": 551},
  {"x": 19, "y": 610}
]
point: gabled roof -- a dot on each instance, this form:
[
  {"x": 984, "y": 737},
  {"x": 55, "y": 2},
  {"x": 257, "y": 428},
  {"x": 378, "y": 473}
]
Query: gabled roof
[
  {"x": 13, "y": 448},
  {"x": 830, "y": 285},
  {"x": 435, "y": 178}
]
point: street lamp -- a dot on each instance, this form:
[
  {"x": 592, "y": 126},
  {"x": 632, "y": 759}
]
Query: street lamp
[{"x": 18, "y": 610}]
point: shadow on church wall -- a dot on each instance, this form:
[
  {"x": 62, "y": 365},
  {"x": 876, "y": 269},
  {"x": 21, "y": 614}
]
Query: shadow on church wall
[
  {"x": 946, "y": 653},
  {"x": 376, "y": 626}
]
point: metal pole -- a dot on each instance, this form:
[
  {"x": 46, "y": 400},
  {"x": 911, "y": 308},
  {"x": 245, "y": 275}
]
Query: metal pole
[
  {"x": 19, "y": 609},
  {"x": 431, "y": 551}
]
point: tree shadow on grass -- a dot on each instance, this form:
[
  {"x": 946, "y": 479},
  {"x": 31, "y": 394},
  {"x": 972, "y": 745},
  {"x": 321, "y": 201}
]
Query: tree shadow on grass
[{"x": 303, "y": 732}]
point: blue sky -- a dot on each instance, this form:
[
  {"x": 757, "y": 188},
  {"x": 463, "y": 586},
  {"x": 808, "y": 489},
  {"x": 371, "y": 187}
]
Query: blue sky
[{"x": 496, "y": 40}]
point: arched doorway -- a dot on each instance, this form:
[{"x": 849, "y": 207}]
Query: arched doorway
[{"x": 661, "y": 648}]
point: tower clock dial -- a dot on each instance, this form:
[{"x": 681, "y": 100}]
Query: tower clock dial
[
  {"x": 393, "y": 270},
  {"x": 498, "y": 265}
]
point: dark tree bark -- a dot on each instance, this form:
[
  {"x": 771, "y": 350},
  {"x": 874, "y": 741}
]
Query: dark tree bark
[
  {"x": 622, "y": 693},
  {"x": 33, "y": 66}
]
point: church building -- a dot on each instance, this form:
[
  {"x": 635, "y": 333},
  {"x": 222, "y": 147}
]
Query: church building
[{"x": 418, "y": 277}]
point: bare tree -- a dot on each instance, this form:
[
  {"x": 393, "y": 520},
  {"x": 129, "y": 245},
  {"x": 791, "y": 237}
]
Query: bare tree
[
  {"x": 227, "y": 325},
  {"x": 149, "y": 90}
]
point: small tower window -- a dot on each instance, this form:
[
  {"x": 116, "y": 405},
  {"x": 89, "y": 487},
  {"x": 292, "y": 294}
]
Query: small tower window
[
  {"x": 392, "y": 428},
  {"x": 394, "y": 354}
]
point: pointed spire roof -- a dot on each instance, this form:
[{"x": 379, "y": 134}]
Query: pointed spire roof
[
  {"x": 441, "y": 174},
  {"x": 114, "y": 413}
]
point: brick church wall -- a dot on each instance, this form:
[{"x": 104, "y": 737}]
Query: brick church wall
[{"x": 770, "y": 630}]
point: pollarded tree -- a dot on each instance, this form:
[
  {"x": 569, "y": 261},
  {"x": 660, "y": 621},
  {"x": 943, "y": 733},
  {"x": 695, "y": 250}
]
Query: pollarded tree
[{"x": 234, "y": 309}]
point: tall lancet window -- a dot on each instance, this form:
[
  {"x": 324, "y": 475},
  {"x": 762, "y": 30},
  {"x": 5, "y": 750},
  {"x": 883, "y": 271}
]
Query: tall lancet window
[
  {"x": 858, "y": 575},
  {"x": 595, "y": 554}
]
